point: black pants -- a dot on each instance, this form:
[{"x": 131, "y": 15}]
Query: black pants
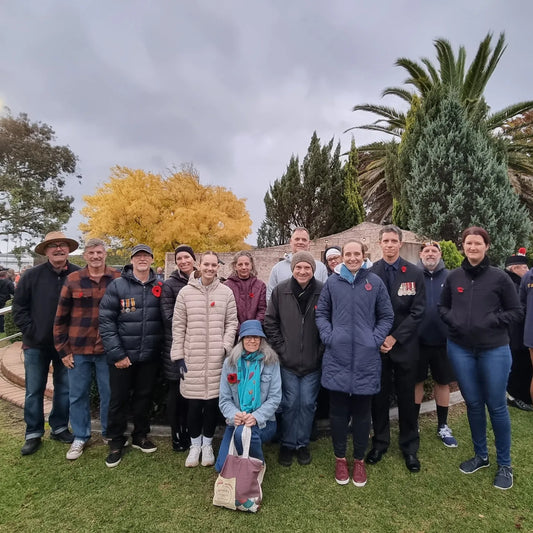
[
  {"x": 137, "y": 381},
  {"x": 520, "y": 376},
  {"x": 202, "y": 417},
  {"x": 342, "y": 406},
  {"x": 404, "y": 376},
  {"x": 176, "y": 409}
]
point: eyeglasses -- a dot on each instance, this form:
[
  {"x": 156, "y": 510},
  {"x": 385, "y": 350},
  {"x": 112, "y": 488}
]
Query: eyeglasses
[{"x": 58, "y": 245}]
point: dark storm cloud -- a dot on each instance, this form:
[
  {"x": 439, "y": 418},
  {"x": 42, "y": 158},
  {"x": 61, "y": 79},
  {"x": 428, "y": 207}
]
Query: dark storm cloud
[{"x": 235, "y": 87}]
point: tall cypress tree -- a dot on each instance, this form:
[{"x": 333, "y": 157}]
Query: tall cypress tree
[
  {"x": 459, "y": 178},
  {"x": 322, "y": 195}
]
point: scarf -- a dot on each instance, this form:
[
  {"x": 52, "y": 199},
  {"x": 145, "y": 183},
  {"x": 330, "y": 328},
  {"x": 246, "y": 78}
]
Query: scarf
[
  {"x": 249, "y": 381},
  {"x": 475, "y": 271}
]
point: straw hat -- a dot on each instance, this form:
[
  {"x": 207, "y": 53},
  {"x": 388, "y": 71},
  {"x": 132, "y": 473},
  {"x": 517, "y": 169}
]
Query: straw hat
[{"x": 55, "y": 236}]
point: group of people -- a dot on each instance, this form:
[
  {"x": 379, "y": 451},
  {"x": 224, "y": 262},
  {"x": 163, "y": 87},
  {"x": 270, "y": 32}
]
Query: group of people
[{"x": 260, "y": 354}]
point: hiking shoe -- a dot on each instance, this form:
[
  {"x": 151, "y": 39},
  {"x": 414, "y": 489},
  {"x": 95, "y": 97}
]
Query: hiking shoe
[
  {"x": 65, "y": 436},
  {"x": 445, "y": 434},
  {"x": 359, "y": 473},
  {"x": 519, "y": 404},
  {"x": 208, "y": 457},
  {"x": 76, "y": 449},
  {"x": 504, "y": 478},
  {"x": 303, "y": 455},
  {"x": 31, "y": 446},
  {"x": 285, "y": 456},
  {"x": 342, "y": 477},
  {"x": 193, "y": 459},
  {"x": 474, "y": 464},
  {"x": 114, "y": 458},
  {"x": 144, "y": 444}
]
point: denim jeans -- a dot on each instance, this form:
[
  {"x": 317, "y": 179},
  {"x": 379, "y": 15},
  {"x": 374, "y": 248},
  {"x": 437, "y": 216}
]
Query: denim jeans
[
  {"x": 36, "y": 364},
  {"x": 482, "y": 375},
  {"x": 259, "y": 435},
  {"x": 79, "y": 379},
  {"x": 298, "y": 405}
]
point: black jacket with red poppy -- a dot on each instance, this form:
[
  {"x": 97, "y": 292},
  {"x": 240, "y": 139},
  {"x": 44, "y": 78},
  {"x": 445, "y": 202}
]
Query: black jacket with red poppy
[
  {"x": 408, "y": 298},
  {"x": 137, "y": 333},
  {"x": 172, "y": 286},
  {"x": 479, "y": 306}
]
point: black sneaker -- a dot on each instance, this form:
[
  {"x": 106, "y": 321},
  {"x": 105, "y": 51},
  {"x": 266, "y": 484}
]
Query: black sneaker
[
  {"x": 64, "y": 436},
  {"x": 504, "y": 478},
  {"x": 31, "y": 446},
  {"x": 474, "y": 464},
  {"x": 519, "y": 404},
  {"x": 144, "y": 444},
  {"x": 285, "y": 456},
  {"x": 303, "y": 455},
  {"x": 114, "y": 458}
]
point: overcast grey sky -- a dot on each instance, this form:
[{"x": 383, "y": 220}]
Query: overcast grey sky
[{"x": 235, "y": 87}]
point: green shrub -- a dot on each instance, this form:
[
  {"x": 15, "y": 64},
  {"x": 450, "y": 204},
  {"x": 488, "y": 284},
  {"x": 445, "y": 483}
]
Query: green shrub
[{"x": 450, "y": 255}]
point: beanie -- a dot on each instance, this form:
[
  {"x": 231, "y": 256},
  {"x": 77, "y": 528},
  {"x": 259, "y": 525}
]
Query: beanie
[
  {"x": 303, "y": 257},
  {"x": 184, "y": 248}
]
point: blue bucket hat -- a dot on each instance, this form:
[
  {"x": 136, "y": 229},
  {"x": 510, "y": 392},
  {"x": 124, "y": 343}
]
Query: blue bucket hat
[{"x": 251, "y": 328}]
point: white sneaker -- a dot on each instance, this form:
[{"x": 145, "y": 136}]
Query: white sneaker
[
  {"x": 208, "y": 457},
  {"x": 193, "y": 458},
  {"x": 76, "y": 449}
]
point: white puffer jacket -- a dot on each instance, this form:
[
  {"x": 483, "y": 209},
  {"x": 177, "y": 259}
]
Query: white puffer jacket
[{"x": 203, "y": 332}]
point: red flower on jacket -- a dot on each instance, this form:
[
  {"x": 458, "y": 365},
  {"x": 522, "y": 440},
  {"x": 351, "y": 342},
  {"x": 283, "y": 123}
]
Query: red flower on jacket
[
  {"x": 251, "y": 295},
  {"x": 156, "y": 290},
  {"x": 212, "y": 304},
  {"x": 232, "y": 378},
  {"x": 404, "y": 269},
  {"x": 460, "y": 289}
]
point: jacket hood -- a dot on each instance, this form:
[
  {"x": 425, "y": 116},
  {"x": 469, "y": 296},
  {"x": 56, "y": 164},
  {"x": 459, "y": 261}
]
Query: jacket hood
[
  {"x": 440, "y": 266},
  {"x": 178, "y": 274},
  {"x": 271, "y": 357}
]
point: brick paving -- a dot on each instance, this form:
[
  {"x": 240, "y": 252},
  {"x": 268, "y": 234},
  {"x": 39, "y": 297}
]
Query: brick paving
[{"x": 12, "y": 377}]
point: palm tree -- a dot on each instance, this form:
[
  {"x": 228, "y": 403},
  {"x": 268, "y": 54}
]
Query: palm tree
[{"x": 470, "y": 85}]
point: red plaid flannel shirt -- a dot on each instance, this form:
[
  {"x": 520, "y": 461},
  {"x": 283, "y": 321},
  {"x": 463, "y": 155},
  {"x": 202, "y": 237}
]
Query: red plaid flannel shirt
[{"x": 76, "y": 322}]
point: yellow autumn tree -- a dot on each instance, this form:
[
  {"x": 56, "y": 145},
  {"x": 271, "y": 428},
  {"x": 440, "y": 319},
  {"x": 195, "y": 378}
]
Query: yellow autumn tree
[{"x": 137, "y": 206}]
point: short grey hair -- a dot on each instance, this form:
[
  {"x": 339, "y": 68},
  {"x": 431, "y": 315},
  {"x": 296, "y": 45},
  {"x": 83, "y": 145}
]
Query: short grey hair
[{"x": 92, "y": 243}]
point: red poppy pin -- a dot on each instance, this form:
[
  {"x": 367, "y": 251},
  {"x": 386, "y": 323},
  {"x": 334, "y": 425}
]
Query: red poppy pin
[
  {"x": 212, "y": 304},
  {"x": 368, "y": 287},
  {"x": 79, "y": 295},
  {"x": 404, "y": 269},
  {"x": 232, "y": 378},
  {"x": 460, "y": 289},
  {"x": 251, "y": 295},
  {"x": 156, "y": 291}
]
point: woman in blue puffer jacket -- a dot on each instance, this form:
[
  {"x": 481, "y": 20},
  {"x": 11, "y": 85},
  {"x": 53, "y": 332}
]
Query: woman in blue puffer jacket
[{"x": 354, "y": 315}]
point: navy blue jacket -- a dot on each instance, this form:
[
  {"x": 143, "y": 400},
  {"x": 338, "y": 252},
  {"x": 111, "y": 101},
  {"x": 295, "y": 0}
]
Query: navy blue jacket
[
  {"x": 433, "y": 330},
  {"x": 526, "y": 299},
  {"x": 353, "y": 319},
  {"x": 137, "y": 334}
]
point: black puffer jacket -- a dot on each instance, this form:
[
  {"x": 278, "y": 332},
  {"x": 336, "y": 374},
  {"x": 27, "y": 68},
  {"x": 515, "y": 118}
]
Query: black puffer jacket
[
  {"x": 171, "y": 288},
  {"x": 137, "y": 334}
]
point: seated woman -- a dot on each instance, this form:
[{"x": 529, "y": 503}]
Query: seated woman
[{"x": 250, "y": 391}]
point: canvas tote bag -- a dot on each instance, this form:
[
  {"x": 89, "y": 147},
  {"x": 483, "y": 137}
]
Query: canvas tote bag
[{"x": 238, "y": 485}]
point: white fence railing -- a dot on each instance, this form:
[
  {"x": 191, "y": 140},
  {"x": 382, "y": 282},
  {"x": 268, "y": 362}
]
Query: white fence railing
[{"x": 5, "y": 311}]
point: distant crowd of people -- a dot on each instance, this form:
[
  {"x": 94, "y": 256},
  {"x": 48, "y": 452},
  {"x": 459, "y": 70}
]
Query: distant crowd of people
[{"x": 345, "y": 332}]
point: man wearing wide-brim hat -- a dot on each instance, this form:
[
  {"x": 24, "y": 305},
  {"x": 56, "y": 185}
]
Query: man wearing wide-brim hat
[{"x": 34, "y": 309}]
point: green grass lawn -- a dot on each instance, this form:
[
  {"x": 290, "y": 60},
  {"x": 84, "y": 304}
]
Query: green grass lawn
[{"x": 156, "y": 493}]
